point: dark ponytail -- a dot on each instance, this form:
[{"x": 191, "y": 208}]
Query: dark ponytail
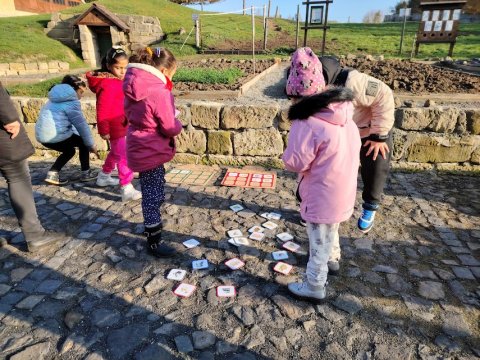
[
  {"x": 158, "y": 58},
  {"x": 74, "y": 81}
]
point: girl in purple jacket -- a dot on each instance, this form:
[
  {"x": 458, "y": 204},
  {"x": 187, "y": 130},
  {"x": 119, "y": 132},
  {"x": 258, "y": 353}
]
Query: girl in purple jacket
[
  {"x": 323, "y": 148},
  {"x": 151, "y": 114}
]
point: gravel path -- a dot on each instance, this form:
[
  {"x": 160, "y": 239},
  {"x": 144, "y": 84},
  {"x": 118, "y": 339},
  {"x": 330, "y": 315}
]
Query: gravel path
[{"x": 270, "y": 88}]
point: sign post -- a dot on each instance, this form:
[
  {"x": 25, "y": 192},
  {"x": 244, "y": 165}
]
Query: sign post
[
  {"x": 316, "y": 17},
  {"x": 440, "y": 22},
  {"x": 406, "y": 12},
  {"x": 196, "y": 20}
]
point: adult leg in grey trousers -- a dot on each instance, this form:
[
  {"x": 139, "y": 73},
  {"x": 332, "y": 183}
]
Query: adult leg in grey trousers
[{"x": 21, "y": 196}]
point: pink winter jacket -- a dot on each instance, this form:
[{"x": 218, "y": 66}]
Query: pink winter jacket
[
  {"x": 150, "y": 111},
  {"x": 324, "y": 147}
]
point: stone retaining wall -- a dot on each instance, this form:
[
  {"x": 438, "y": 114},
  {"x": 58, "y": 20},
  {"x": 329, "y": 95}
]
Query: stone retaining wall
[
  {"x": 216, "y": 133},
  {"x": 18, "y": 69}
]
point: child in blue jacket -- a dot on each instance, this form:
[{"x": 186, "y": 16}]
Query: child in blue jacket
[{"x": 61, "y": 126}]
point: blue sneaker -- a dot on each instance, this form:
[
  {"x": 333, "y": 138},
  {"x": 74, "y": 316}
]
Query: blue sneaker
[{"x": 365, "y": 222}]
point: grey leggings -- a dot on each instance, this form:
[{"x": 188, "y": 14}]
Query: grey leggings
[{"x": 21, "y": 197}]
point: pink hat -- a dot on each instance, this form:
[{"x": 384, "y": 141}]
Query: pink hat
[{"x": 305, "y": 77}]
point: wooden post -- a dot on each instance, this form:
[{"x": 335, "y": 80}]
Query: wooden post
[
  {"x": 325, "y": 29},
  {"x": 197, "y": 33},
  {"x": 244, "y": 12},
  {"x": 276, "y": 12},
  {"x": 269, "y": 4},
  {"x": 265, "y": 35},
  {"x": 253, "y": 38},
  {"x": 403, "y": 29},
  {"x": 306, "y": 25},
  {"x": 297, "y": 32},
  {"x": 264, "y": 15}
]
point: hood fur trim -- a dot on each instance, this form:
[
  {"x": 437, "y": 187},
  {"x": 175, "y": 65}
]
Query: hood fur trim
[
  {"x": 313, "y": 104},
  {"x": 150, "y": 69}
]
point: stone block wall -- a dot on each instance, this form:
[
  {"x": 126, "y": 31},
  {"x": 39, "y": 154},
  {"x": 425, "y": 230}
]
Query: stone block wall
[
  {"x": 19, "y": 69},
  {"x": 238, "y": 135}
]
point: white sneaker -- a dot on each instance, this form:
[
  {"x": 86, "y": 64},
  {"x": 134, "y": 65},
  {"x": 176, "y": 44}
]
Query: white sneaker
[
  {"x": 130, "y": 193},
  {"x": 106, "y": 180},
  {"x": 308, "y": 292}
]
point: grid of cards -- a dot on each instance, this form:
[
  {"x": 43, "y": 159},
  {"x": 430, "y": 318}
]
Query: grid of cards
[
  {"x": 247, "y": 179},
  {"x": 192, "y": 177}
]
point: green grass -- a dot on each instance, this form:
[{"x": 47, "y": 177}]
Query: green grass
[
  {"x": 29, "y": 43},
  {"x": 208, "y": 76},
  {"x": 34, "y": 90},
  {"x": 22, "y": 39}
]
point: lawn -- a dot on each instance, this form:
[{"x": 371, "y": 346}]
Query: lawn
[
  {"x": 208, "y": 76},
  {"x": 22, "y": 39},
  {"x": 228, "y": 31}
]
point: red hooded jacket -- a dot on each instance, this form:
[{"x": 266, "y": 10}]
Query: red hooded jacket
[{"x": 110, "y": 114}]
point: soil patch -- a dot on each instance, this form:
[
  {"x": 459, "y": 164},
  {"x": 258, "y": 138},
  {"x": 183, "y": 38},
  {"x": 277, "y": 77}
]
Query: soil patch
[
  {"x": 417, "y": 78},
  {"x": 245, "y": 65}
]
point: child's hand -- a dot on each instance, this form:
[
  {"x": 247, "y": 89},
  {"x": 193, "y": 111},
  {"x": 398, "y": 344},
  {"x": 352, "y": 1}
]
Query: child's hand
[
  {"x": 105, "y": 137},
  {"x": 94, "y": 150}
]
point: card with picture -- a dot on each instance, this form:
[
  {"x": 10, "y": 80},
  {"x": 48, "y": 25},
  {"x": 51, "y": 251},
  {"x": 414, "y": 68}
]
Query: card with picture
[
  {"x": 269, "y": 225},
  {"x": 239, "y": 241},
  {"x": 236, "y": 208},
  {"x": 283, "y": 268},
  {"x": 184, "y": 290},
  {"x": 200, "y": 264},
  {"x": 235, "y": 263},
  {"x": 291, "y": 246},
  {"x": 226, "y": 291},
  {"x": 256, "y": 228},
  {"x": 191, "y": 243},
  {"x": 176, "y": 274},
  {"x": 280, "y": 255},
  {"x": 258, "y": 236},
  {"x": 234, "y": 233},
  {"x": 284, "y": 236}
]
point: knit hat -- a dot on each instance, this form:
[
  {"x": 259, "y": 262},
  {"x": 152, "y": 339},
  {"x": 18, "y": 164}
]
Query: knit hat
[{"x": 305, "y": 77}]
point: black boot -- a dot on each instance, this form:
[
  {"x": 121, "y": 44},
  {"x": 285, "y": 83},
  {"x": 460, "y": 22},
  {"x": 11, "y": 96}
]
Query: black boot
[
  {"x": 44, "y": 241},
  {"x": 155, "y": 246}
]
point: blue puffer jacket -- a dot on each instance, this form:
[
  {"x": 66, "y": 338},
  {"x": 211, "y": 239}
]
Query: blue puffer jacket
[{"x": 61, "y": 117}]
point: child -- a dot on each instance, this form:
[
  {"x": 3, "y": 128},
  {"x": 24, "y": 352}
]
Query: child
[
  {"x": 150, "y": 110},
  {"x": 61, "y": 126},
  {"x": 111, "y": 121},
  {"x": 323, "y": 147}
]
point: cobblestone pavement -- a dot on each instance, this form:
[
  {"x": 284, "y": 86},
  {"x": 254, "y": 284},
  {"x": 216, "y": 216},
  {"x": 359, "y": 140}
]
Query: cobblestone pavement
[{"x": 407, "y": 290}]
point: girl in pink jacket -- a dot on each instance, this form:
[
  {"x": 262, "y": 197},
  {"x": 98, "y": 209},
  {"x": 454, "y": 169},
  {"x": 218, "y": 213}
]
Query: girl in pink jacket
[
  {"x": 150, "y": 110},
  {"x": 323, "y": 148}
]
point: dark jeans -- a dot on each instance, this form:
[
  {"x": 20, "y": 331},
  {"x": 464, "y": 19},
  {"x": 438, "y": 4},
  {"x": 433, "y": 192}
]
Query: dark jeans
[
  {"x": 153, "y": 195},
  {"x": 67, "y": 150},
  {"x": 21, "y": 197},
  {"x": 374, "y": 175}
]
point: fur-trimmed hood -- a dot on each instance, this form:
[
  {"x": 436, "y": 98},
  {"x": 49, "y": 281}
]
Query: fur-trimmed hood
[{"x": 311, "y": 105}]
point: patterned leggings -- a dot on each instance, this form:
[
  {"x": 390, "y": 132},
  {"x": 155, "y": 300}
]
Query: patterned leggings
[
  {"x": 153, "y": 195},
  {"x": 321, "y": 238}
]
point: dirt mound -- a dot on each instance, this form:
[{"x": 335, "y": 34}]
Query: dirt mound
[
  {"x": 417, "y": 78},
  {"x": 245, "y": 65}
]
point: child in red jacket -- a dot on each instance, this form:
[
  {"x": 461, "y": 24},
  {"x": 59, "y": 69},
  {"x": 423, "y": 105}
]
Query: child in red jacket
[{"x": 112, "y": 124}]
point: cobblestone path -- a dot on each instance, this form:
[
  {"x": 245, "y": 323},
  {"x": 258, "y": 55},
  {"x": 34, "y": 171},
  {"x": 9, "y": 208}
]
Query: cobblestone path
[{"x": 408, "y": 290}]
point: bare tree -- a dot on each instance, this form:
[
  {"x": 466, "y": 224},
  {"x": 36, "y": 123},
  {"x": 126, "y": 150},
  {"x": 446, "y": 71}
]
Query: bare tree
[{"x": 373, "y": 17}]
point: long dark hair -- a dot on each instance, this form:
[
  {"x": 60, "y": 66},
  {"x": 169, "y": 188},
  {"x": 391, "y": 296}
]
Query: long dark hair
[
  {"x": 112, "y": 57},
  {"x": 74, "y": 81},
  {"x": 158, "y": 58}
]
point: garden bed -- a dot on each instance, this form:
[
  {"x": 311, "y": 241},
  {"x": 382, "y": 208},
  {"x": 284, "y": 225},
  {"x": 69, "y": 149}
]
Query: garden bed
[
  {"x": 211, "y": 91},
  {"x": 404, "y": 76}
]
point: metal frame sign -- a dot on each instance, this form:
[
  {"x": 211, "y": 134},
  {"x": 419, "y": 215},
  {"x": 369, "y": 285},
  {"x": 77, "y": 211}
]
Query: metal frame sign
[
  {"x": 315, "y": 19},
  {"x": 316, "y": 15},
  {"x": 439, "y": 22}
]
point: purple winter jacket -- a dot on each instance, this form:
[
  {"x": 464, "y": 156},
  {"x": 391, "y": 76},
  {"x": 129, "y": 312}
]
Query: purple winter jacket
[
  {"x": 324, "y": 148},
  {"x": 150, "y": 111}
]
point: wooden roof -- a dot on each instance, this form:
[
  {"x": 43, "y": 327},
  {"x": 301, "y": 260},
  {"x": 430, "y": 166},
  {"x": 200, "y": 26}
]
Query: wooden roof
[{"x": 99, "y": 15}]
